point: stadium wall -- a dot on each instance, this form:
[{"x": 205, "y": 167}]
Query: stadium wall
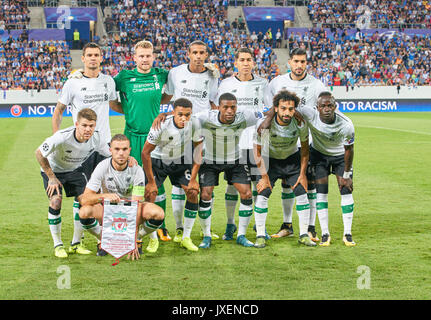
[{"x": 19, "y": 103}]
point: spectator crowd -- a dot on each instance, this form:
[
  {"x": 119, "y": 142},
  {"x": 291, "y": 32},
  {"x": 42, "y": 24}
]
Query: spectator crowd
[
  {"x": 172, "y": 25},
  {"x": 32, "y": 64},
  {"x": 374, "y": 60},
  {"x": 14, "y": 14},
  {"x": 371, "y": 13}
]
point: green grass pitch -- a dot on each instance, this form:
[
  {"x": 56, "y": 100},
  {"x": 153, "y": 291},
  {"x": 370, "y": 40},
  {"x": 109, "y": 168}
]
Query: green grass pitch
[{"x": 391, "y": 227}]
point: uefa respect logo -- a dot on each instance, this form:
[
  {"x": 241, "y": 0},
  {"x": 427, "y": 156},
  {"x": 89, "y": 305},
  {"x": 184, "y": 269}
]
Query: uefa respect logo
[{"x": 16, "y": 110}]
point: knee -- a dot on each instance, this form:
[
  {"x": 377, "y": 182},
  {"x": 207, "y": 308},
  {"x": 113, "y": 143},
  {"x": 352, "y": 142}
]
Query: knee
[
  {"x": 192, "y": 196},
  {"x": 246, "y": 194},
  {"x": 85, "y": 212},
  {"x": 153, "y": 212},
  {"x": 206, "y": 195},
  {"x": 55, "y": 202}
]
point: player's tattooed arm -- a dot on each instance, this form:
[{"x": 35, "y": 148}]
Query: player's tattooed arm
[
  {"x": 150, "y": 186},
  {"x": 116, "y": 106},
  {"x": 57, "y": 116},
  {"x": 53, "y": 183},
  {"x": 348, "y": 161}
]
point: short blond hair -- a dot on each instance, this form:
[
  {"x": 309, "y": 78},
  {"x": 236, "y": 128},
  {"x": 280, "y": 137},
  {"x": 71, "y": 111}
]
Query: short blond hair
[{"x": 144, "y": 44}]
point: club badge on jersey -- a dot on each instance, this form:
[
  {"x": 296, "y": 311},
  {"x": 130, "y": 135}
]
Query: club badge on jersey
[{"x": 119, "y": 227}]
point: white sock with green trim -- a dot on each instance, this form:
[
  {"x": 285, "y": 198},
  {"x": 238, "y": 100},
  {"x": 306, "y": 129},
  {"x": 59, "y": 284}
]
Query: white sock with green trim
[
  {"x": 190, "y": 212},
  {"x": 230, "y": 200},
  {"x": 347, "y": 204},
  {"x": 260, "y": 213},
  {"x": 287, "y": 202},
  {"x": 149, "y": 229},
  {"x": 254, "y": 192},
  {"x": 178, "y": 201},
  {"x": 93, "y": 227},
  {"x": 303, "y": 211},
  {"x": 205, "y": 217},
  {"x": 78, "y": 230},
  {"x": 245, "y": 213},
  {"x": 312, "y": 197},
  {"x": 322, "y": 211},
  {"x": 54, "y": 221}
]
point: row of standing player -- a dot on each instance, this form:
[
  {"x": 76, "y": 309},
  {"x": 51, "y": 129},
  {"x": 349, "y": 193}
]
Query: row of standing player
[{"x": 192, "y": 81}]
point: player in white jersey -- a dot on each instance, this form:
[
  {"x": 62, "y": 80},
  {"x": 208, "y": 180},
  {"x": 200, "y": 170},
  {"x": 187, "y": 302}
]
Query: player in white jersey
[
  {"x": 113, "y": 179},
  {"x": 222, "y": 130},
  {"x": 196, "y": 81},
  {"x": 61, "y": 158},
  {"x": 93, "y": 90},
  {"x": 307, "y": 88},
  {"x": 168, "y": 151},
  {"x": 249, "y": 91},
  {"x": 279, "y": 158},
  {"x": 88, "y": 89},
  {"x": 331, "y": 152}
]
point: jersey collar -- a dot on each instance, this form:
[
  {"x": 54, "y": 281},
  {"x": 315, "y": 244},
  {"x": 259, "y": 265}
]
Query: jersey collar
[
  {"x": 290, "y": 76},
  {"x": 252, "y": 78},
  {"x": 188, "y": 68}
]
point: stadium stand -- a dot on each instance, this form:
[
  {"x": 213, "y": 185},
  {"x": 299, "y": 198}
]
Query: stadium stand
[
  {"x": 171, "y": 26},
  {"x": 370, "y": 59},
  {"x": 379, "y": 13},
  {"x": 27, "y": 64},
  {"x": 340, "y": 55},
  {"x": 13, "y": 15}
]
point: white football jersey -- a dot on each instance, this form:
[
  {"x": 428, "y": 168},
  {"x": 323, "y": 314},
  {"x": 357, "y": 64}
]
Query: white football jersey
[
  {"x": 65, "y": 153},
  {"x": 108, "y": 180},
  {"x": 329, "y": 139},
  {"x": 199, "y": 88},
  {"x": 250, "y": 96},
  {"x": 221, "y": 142},
  {"x": 172, "y": 142},
  {"x": 280, "y": 142},
  {"x": 307, "y": 89},
  {"x": 93, "y": 93}
]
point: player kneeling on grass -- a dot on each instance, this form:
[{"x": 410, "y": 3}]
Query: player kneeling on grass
[
  {"x": 63, "y": 160},
  {"x": 116, "y": 180},
  {"x": 279, "y": 142},
  {"x": 168, "y": 151},
  {"x": 331, "y": 152}
]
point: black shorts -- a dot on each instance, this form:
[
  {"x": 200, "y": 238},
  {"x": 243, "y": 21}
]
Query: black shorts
[
  {"x": 247, "y": 157},
  {"x": 234, "y": 173},
  {"x": 178, "y": 173},
  {"x": 287, "y": 169},
  {"x": 73, "y": 182},
  {"x": 91, "y": 163},
  {"x": 323, "y": 165}
]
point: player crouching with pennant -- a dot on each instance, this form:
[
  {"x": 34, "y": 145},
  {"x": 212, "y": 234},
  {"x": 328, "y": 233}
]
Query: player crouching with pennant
[{"x": 117, "y": 181}]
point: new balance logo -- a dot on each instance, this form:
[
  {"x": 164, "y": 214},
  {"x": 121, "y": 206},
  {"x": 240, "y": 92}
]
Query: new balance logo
[
  {"x": 183, "y": 81},
  {"x": 133, "y": 80},
  {"x": 84, "y": 89}
]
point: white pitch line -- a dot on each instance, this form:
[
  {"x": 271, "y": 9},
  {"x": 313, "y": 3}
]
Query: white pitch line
[{"x": 394, "y": 129}]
